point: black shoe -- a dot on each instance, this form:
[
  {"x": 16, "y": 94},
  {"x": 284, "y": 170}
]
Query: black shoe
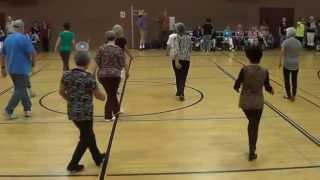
[
  {"x": 252, "y": 156},
  {"x": 181, "y": 97},
  {"x": 103, "y": 156},
  {"x": 75, "y": 169}
]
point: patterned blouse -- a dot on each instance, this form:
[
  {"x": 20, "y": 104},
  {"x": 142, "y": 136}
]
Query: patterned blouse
[
  {"x": 184, "y": 47},
  {"x": 79, "y": 86},
  {"x": 110, "y": 60}
]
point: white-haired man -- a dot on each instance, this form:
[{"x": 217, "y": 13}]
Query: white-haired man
[{"x": 18, "y": 57}]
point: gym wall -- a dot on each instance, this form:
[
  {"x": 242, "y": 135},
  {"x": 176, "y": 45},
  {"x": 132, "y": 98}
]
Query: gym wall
[{"x": 90, "y": 19}]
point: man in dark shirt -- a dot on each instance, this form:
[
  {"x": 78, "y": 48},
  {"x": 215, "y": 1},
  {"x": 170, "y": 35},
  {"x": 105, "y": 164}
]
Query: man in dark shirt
[{"x": 207, "y": 35}]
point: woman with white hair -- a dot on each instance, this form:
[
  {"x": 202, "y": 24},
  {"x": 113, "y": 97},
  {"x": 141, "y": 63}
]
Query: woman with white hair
[
  {"x": 290, "y": 53},
  {"x": 121, "y": 41},
  {"x": 181, "y": 62}
]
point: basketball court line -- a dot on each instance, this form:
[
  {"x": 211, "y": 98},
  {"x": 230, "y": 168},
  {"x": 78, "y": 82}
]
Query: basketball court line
[{"x": 169, "y": 173}]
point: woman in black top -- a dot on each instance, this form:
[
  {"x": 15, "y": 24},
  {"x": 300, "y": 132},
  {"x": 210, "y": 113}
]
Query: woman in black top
[{"x": 207, "y": 35}]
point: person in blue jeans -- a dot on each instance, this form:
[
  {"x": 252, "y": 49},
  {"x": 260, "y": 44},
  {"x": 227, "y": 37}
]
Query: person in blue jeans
[{"x": 17, "y": 59}]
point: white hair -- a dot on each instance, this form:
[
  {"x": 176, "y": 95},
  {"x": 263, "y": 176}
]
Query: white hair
[
  {"x": 118, "y": 30},
  {"x": 291, "y": 32}
]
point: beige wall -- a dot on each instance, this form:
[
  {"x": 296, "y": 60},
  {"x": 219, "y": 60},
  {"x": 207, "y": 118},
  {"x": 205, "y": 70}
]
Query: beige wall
[{"x": 91, "y": 18}]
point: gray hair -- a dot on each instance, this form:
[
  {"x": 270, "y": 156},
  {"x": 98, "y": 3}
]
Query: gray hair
[
  {"x": 291, "y": 32},
  {"x": 118, "y": 30},
  {"x": 110, "y": 36},
  {"x": 180, "y": 28},
  {"x": 82, "y": 58}
]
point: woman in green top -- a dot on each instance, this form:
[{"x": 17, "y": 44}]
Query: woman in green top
[{"x": 65, "y": 44}]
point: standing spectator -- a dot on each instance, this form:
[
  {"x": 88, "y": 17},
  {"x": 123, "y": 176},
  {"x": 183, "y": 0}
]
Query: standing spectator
[
  {"x": 45, "y": 36},
  {"x": 290, "y": 52},
  {"x": 252, "y": 78},
  {"x": 300, "y": 28},
  {"x": 239, "y": 37},
  {"x": 65, "y": 44},
  {"x": 35, "y": 27},
  {"x": 311, "y": 32},
  {"x": 207, "y": 35},
  {"x": 110, "y": 61},
  {"x": 181, "y": 63},
  {"x": 9, "y": 25},
  {"x": 19, "y": 57},
  {"x": 143, "y": 27},
  {"x": 164, "y": 21},
  {"x": 283, "y": 29}
]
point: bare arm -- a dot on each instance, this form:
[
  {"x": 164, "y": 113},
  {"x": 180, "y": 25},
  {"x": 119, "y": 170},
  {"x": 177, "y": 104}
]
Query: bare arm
[
  {"x": 57, "y": 44},
  {"x": 98, "y": 94}
]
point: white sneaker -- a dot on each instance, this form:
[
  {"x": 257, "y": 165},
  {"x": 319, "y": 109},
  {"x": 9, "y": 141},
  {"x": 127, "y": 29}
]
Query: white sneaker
[
  {"x": 27, "y": 114},
  {"x": 110, "y": 120},
  {"x": 8, "y": 116}
]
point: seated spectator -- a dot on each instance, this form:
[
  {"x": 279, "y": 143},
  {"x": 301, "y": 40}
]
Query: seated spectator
[
  {"x": 253, "y": 36},
  {"x": 227, "y": 35}
]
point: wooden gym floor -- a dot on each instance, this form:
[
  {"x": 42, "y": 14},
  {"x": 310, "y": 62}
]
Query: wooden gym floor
[{"x": 159, "y": 137}]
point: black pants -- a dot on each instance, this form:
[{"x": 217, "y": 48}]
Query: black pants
[
  {"x": 254, "y": 117},
  {"x": 164, "y": 35},
  {"x": 65, "y": 56},
  {"x": 87, "y": 140},
  {"x": 111, "y": 86},
  {"x": 290, "y": 81},
  {"x": 181, "y": 76},
  {"x": 45, "y": 44}
]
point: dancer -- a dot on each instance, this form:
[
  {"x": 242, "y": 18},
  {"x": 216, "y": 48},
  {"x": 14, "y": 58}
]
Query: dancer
[
  {"x": 164, "y": 22},
  {"x": 252, "y": 79},
  {"x": 181, "y": 62},
  {"x": 110, "y": 61},
  {"x": 78, "y": 87},
  {"x": 290, "y": 53},
  {"x": 17, "y": 60},
  {"x": 300, "y": 28},
  {"x": 65, "y": 45},
  {"x": 45, "y": 36},
  {"x": 9, "y": 25},
  {"x": 121, "y": 41}
]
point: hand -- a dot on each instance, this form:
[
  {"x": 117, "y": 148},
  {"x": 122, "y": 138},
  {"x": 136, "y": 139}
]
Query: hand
[
  {"x": 272, "y": 92},
  {"x": 4, "y": 72},
  {"x": 178, "y": 66}
]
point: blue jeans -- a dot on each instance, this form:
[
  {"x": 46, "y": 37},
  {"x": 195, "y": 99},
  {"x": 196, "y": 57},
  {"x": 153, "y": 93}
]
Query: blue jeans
[
  {"x": 207, "y": 42},
  {"x": 20, "y": 83}
]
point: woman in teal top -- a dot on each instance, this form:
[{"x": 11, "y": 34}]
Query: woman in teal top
[{"x": 65, "y": 44}]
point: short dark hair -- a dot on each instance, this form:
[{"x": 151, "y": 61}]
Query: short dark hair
[
  {"x": 254, "y": 54},
  {"x": 66, "y": 26},
  {"x": 82, "y": 58}
]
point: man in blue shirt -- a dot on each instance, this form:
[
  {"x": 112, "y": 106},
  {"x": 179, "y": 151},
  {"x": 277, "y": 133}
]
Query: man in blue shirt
[{"x": 18, "y": 57}]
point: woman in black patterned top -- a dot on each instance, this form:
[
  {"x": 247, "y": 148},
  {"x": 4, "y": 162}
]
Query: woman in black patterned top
[
  {"x": 78, "y": 87},
  {"x": 181, "y": 62}
]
